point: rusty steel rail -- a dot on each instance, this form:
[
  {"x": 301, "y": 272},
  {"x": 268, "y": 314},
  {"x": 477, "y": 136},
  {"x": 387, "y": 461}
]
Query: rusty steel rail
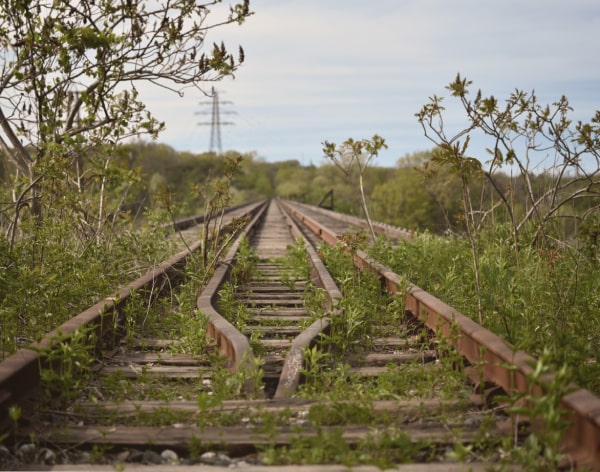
[
  {"x": 267, "y": 299},
  {"x": 190, "y": 221},
  {"x": 20, "y": 372},
  {"x": 320, "y": 277},
  {"x": 482, "y": 348},
  {"x": 499, "y": 362},
  {"x": 235, "y": 346},
  {"x": 227, "y": 341},
  {"x": 232, "y": 344},
  {"x": 392, "y": 232}
]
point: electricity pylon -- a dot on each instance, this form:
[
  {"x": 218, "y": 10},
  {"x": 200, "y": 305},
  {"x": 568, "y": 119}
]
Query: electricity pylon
[{"x": 215, "y": 121}]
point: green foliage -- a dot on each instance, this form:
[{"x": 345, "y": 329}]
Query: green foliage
[
  {"x": 191, "y": 332},
  {"x": 353, "y": 157},
  {"x": 65, "y": 367},
  {"x": 313, "y": 368},
  {"x": 72, "y": 89},
  {"x": 323, "y": 448},
  {"x": 362, "y": 299},
  {"x": 47, "y": 279},
  {"x": 226, "y": 385},
  {"x": 451, "y": 154},
  {"x": 295, "y": 264},
  {"x": 71, "y": 191},
  {"x": 526, "y": 279},
  {"x": 518, "y": 134},
  {"x": 245, "y": 268},
  {"x": 408, "y": 199},
  {"x": 14, "y": 413},
  {"x": 589, "y": 238},
  {"x": 342, "y": 412},
  {"x": 353, "y": 323},
  {"x": 382, "y": 448},
  {"x": 534, "y": 299},
  {"x": 234, "y": 311},
  {"x": 217, "y": 195},
  {"x": 541, "y": 405},
  {"x": 294, "y": 181}
]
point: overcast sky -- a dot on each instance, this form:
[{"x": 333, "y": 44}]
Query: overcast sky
[{"x": 320, "y": 70}]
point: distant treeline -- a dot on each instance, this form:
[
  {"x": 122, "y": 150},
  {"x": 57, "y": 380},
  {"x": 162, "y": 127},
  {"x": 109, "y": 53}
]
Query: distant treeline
[{"x": 414, "y": 194}]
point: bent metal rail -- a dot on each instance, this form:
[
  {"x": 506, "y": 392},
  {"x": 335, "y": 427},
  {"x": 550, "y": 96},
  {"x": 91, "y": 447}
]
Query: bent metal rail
[
  {"x": 19, "y": 373},
  {"x": 234, "y": 344},
  {"x": 268, "y": 299},
  {"x": 499, "y": 362}
]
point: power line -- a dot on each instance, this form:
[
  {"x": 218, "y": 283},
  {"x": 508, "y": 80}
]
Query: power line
[{"x": 215, "y": 121}]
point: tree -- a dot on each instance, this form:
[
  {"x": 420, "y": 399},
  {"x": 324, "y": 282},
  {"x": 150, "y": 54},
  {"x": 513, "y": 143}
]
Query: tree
[
  {"x": 415, "y": 199},
  {"x": 293, "y": 181},
  {"x": 353, "y": 157},
  {"x": 69, "y": 78},
  {"x": 452, "y": 153},
  {"x": 526, "y": 136}
]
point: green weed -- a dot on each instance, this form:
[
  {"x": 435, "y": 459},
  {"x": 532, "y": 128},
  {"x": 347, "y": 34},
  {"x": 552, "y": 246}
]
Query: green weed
[
  {"x": 34, "y": 292},
  {"x": 233, "y": 310},
  {"x": 246, "y": 262},
  {"x": 65, "y": 367},
  {"x": 295, "y": 264},
  {"x": 535, "y": 299},
  {"x": 541, "y": 450}
]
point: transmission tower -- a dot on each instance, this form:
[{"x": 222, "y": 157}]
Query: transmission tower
[{"x": 215, "y": 121}]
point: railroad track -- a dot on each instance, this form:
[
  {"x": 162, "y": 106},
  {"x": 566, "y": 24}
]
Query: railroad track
[{"x": 298, "y": 366}]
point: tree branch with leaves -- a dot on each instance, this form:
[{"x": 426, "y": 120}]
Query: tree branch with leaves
[
  {"x": 353, "y": 157},
  {"x": 70, "y": 73},
  {"x": 533, "y": 139},
  {"x": 557, "y": 164}
]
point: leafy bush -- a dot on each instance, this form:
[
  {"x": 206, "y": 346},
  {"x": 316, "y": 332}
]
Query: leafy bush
[
  {"x": 535, "y": 299},
  {"x": 58, "y": 275}
]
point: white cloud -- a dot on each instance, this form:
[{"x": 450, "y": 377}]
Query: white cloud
[{"x": 331, "y": 69}]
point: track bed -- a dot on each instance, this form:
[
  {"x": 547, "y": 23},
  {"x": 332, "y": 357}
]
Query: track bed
[{"x": 280, "y": 362}]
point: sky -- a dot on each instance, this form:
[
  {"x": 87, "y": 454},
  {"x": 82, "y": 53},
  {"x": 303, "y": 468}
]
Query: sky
[{"x": 327, "y": 70}]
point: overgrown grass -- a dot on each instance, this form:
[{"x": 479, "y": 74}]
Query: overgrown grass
[
  {"x": 365, "y": 308},
  {"x": 442, "y": 266},
  {"x": 172, "y": 316},
  {"x": 535, "y": 299},
  {"x": 246, "y": 263},
  {"x": 368, "y": 312},
  {"x": 295, "y": 263},
  {"x": 384, "y": 449},
  {"x": 47, "y": 279}
]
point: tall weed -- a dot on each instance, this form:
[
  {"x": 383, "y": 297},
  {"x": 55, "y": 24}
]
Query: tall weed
[
  {"x": 535, "y": 299},
  {"x": 49, "y": 277}
]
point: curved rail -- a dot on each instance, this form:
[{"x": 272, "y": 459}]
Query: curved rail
[
  {"x": 484, "y": 350},
  {"x": 235, "y": 345},
  {"x": 227, "y": 339},
  {"x": 231, "y": 342},
  {"x": 320, "y": 277},
  {"x": 499, "y": 362},
  {"x": 20, "y": 372}
]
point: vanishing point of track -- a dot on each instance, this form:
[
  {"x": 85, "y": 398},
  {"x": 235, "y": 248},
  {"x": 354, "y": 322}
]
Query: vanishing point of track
[{"x": 263, "y": 354}]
